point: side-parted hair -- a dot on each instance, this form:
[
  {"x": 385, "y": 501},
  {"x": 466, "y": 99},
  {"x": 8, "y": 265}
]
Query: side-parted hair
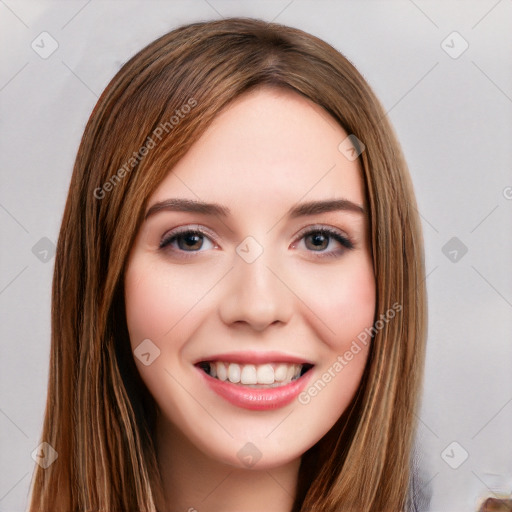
[{"x": 99, "y": 415}]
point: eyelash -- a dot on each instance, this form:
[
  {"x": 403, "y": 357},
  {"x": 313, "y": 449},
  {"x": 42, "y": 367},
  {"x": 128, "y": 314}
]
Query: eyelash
[{"x": 324, "y": 230}]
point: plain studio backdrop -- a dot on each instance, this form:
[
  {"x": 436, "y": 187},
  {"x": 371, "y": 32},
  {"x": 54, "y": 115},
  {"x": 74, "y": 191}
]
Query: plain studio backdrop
[{"x": 443, "y": 73}]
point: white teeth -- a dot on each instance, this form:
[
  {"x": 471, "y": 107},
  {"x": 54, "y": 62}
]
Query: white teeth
[
  {"x": 234, "y": 373},
  {"x": 248, "y": 375},
  {"x": 222, "y": 373},
  {"x": 265, "y": 374},
  {"x": 281, "y": 372},
  {"x": 251, "y": 374}
]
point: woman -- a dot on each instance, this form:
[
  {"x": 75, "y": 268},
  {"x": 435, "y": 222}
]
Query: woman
[{"x": 254, "y": 371}]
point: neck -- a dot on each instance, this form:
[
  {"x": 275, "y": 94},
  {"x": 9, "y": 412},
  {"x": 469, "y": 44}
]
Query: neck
[{"x": 194, "y": 482}]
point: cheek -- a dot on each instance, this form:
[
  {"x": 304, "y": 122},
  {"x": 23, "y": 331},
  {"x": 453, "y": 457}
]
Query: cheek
[
  {"x": 157, "y": 300},
  {"x": 159, "y": 306},
  {"x": 343, "y": 309},
  {"x": 147, "y": 303},
  {"x": 345, "y": 304}
]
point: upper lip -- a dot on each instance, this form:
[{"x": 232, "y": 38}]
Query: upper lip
[{"x": 255, "y": 357}]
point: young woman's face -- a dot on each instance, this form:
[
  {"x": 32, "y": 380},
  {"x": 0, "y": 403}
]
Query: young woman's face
[{"x": 243, "y": 316}]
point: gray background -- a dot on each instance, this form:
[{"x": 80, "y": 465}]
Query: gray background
[{"x": 452, "y": 116}]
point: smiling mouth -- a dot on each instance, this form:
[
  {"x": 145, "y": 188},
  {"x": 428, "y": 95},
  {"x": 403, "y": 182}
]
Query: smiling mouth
[{"x": 259, "y": 376}]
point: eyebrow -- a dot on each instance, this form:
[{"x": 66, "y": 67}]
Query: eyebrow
[{"x": 301, "y": 210}]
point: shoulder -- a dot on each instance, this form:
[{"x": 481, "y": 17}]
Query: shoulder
[{"x": 420, "y": 490}]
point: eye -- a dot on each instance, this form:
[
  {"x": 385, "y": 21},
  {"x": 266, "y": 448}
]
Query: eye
[
  {"x": 185, "y": 240},
  {"x": 317, "y": 239}
]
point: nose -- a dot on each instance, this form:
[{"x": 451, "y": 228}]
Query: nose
[{"x": 256, "y": 295}]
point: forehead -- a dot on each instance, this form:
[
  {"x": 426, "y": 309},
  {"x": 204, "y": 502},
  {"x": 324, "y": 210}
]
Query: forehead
[{"x": 270, "y": 145}]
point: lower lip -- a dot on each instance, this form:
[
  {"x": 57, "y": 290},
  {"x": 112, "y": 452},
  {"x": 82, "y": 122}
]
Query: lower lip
[{"x": 257, "y": 399}]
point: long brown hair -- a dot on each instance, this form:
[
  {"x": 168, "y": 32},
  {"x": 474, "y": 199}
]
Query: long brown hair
[{"x": 99, "y": 415}]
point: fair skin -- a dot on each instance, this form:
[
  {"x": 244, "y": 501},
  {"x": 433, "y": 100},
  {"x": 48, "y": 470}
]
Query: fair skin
[{"x": 283, "y": 297}]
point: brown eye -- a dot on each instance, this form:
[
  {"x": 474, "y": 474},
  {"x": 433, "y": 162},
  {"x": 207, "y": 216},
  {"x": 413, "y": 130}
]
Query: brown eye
[
  {"x": 190, "y": 241},
  {"x": 186, "y": 240},
  {"x": 319, "y": 239}
]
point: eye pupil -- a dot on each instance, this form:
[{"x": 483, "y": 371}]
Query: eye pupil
[
  {"x": 190, "y": 240},
  {"x": 319, "y": 239}
]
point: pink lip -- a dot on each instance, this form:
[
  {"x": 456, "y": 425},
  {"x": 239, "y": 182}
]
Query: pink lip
[
  {"x": 253, "y": 357},
  {"x": 253, "y": 398}
]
